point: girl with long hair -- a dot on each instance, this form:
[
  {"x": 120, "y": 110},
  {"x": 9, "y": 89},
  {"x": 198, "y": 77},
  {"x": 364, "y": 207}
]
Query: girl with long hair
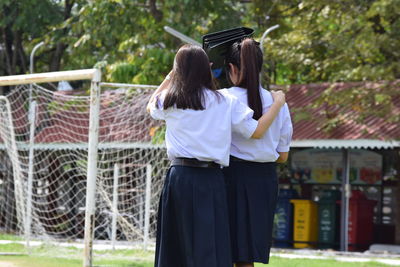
[
  {"x": 192, "y": 227},
  {"x": 251, "y": 179}
]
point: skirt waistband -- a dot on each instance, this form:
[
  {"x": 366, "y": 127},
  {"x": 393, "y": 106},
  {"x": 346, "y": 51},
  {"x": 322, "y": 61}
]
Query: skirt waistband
[
  {"x": 233, "y": 158},
  {"x": 191, "y": 162}
]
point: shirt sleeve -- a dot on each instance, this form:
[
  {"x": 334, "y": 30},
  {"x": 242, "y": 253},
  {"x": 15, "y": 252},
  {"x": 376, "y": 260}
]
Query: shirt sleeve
[
  {"x": 286, "y": 131},
  {"x": 242, "y": 119},
  {"x": 156, "y": 110}
]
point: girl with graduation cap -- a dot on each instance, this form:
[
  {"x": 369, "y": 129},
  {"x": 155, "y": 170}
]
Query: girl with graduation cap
[
  {"x": 251, "y": 179},
  {"x": 192, "y": 227}
]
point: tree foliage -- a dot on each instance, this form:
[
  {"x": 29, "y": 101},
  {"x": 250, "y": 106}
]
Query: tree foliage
[
  {"x": 128, "y": 36},
  {"x": 318, "y": 40},
  {"x": 336, "y": 41},
  {"x": 23, "y": 24}
]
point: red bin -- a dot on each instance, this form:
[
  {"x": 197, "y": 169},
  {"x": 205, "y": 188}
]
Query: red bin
[{"x": 361, "y": 216}]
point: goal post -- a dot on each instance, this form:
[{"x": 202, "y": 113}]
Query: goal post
[
  {"x": 87, "y": 166},
  {"x": 88, "y": 74},
  {"x": 92, "y": 167},
  {"x": 46, "y": 77}
]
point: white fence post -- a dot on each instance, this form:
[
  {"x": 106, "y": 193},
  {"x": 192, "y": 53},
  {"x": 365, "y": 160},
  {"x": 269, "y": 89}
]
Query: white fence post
[
  {"x": 114, "y": 206},
  {"x": 32, "y": 116},
  {"x": 92, "y": 168},
  {"x": 147, "y": 206}
]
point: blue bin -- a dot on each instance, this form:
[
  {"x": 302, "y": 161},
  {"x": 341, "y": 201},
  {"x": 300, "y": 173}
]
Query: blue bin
[{"x": 283, "y": 221}]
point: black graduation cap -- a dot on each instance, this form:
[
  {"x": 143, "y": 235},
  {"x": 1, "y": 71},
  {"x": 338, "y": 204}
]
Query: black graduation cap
[{"x": 216, "y": 46}]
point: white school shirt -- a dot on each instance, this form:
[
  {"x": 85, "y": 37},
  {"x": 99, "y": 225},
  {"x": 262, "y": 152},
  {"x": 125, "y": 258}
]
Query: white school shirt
[
  {"x": 205, "y": 134},
  {"x": 276, "y": 139}
]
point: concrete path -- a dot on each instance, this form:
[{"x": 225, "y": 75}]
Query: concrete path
[
  {"x": 389, "y": 259},
  {"x": 7, "y": 264}
]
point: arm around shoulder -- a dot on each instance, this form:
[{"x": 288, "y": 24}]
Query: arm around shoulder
[
  {"x": 267, "y": 118},
  {"x": 285, "y": 137}
]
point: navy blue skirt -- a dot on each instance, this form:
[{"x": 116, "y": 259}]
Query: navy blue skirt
[
  {"x": 192, "y": 227},
  {"x": 252, "y": 191}
]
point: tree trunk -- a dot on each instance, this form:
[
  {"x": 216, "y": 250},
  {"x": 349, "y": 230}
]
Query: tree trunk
[
  {"x": 8, "y": 41},
  {"x": 22, "y": 59},
  {"x": 55, "y": 63},
  {"x": 19, "y": 62},
  {"x": 56, "y": 58},
  {"x": 157, "y": 14}
]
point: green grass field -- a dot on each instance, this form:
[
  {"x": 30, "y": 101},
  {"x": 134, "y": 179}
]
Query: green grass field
[
  {"x": 53, "y": 256},
  {"x": 37, "y": 261}
]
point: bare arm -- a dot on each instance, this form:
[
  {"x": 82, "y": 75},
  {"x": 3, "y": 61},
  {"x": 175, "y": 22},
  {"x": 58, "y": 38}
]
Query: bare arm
[
  {"x": 283, "y": 157},
  {"x": 267, "y": 118},
  {"x": 164, "y": 85}
]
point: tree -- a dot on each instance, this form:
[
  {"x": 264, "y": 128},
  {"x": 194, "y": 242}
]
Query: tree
[
  {"x": 22, "y": 24},
  {"x": 128, "y": 36},
  {"x": 335, "y": 41}
]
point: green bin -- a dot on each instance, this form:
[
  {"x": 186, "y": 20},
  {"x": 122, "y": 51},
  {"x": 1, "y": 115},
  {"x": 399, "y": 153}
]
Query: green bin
[{"x": 329, "y": 220}]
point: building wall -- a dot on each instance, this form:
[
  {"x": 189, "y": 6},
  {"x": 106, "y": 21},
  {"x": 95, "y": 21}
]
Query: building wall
[
  {"x": 397, "y": 211},
  {"x": 398, "y": 216}
]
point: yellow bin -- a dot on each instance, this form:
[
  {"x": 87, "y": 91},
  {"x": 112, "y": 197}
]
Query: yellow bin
[{"x": 305, "y": 226}]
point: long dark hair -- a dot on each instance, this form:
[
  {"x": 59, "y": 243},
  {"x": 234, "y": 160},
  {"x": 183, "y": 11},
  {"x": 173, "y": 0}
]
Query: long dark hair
[
  {"x": 191, "y": 75},
  {"x": 248, "y": 57}
]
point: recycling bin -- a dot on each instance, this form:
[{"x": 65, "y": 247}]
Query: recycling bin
[
  {"x": 329, "y": 219},
  {"x": 305, "y": 227},
  {"x": 361, "y": 216},
  {"x": 283, "y": 220}
]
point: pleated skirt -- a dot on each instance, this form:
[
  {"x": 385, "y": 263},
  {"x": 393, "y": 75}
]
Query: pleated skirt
[
  {"x": 252, "y": 191},
  {"x": 192, "y": 227}
]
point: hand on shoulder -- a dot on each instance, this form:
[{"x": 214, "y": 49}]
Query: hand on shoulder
[{"x": 279, "y": 97}]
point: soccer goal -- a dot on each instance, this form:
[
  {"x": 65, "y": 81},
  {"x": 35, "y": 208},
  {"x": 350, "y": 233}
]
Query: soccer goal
[{"x": 79, "y": 165}]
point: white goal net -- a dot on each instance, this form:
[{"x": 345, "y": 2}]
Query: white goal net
[{"x": 44, "y": 137}]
